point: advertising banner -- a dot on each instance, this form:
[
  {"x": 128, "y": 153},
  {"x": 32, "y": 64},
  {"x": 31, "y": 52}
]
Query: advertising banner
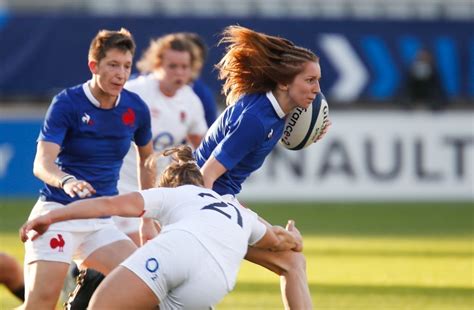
[
  {"x": 366, "y": 155},
  {"x": 375, "y": 156}
]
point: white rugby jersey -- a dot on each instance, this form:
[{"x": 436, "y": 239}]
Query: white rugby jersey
[
  {"x": 224, "y": 229},
  {"x": 172, "y": 119}
]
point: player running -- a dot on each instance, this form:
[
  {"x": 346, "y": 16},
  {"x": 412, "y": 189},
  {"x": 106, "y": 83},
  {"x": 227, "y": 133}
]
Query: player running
[
  {"x": 265, "y": 78},
  {"x": 85, "y": 136}
]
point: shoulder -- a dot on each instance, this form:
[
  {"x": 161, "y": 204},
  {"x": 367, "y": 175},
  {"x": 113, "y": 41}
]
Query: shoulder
[
  {"x": 67, "y": 97},
  {"x": 138, "y": 83},
  {"x": 70, "y": 93},
  {"x": 253, "y": 104},
  {"x": 132, "y": 98}
]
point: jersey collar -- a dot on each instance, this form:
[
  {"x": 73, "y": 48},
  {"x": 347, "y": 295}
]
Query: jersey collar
[
  {"x": 275, "y": 104},
  {"x": 91, "y": 97}
]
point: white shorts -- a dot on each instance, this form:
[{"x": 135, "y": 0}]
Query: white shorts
[
  {"x": 179, "y": 270},
  {"x": 70, "y": 240},
  {"x": 127, "y": 225}
]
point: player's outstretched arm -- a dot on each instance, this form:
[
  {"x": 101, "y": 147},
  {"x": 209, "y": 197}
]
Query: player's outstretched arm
[
  {"x": 277, "y": 238},
  {"x": 128, "y": 205}
]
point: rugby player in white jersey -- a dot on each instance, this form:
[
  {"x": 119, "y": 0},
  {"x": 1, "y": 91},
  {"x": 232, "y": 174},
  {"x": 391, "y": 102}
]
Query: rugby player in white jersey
[
  {"x": 177, "y": 115},
  {"x": 194, "y": 261}
]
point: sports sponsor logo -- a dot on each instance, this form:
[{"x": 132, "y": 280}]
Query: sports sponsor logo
[
  {"x": 291, "y": 123},
  {"x": 86, "y": 119},
  {"x": 317, "y": 132},
  {"x": 152, "y": 264},
  {"x": 270, "y": 134}
]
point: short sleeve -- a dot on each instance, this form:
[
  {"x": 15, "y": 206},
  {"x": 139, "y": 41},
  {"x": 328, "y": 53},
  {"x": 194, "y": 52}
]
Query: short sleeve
[
  {"x": 57, "y": 122},
  {"x": 258, "y": 229},
  {"x": 143, "y": 133},
  {"x": 154, "y": 202},
  {"x": 244, "y": 136}
]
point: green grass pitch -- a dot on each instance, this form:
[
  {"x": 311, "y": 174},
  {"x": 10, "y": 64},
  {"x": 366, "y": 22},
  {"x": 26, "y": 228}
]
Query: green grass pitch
[{"x": 359, "y": 256}]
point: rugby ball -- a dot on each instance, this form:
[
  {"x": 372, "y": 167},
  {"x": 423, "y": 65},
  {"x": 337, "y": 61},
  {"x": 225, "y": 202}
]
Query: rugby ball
[{"x": 303, "y": 126}]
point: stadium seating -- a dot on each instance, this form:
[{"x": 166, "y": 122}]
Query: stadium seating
[{"x": 401, "y": 9}]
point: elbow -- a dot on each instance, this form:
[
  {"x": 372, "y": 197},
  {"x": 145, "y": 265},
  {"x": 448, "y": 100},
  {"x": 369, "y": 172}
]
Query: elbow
[{"x": 36, "y": 169}]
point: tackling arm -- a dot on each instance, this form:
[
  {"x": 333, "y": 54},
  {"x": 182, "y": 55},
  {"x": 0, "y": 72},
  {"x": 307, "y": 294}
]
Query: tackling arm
[
  {"x": 277, "y": 238},
  {"x": 128, "y": 205}
]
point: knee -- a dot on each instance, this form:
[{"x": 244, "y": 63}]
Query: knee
[{"x": 42, "y": 299}]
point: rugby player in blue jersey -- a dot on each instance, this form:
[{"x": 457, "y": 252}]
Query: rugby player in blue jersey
[
  {"x": 265, "y": 78},
  {"x": 86, "y": 133}
]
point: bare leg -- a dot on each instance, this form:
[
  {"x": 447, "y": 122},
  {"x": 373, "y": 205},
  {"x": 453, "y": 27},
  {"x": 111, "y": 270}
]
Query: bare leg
[
  {"x": 44, "y": 280},
  {"x": 110, "y": 256},
  {"x": 291, "y": 266},
  {"x": 135, "y": 236},
  {"x": 122, "y": 289}
]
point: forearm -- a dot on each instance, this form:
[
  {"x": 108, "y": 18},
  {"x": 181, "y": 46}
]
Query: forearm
[
  {"x": 44, "y": 166},
  {"x": 286, "y": 240},
  {"x": 147, "y": 169},
  {"x": 48, "y": 172},
  {"x": 84, "y": 209},
  {"x": 147, "y": 176}
]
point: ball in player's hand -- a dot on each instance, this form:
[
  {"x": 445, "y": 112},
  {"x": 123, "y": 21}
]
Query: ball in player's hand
[{"x": 304, "y": 126}]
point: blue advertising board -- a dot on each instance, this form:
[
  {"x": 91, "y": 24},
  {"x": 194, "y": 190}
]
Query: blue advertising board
[
  {"x": 361, "y": 60},
  {"x": 17, "y": 152}
]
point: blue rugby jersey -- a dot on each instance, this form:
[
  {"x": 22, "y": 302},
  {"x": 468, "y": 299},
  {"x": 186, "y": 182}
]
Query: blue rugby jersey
[
  {"x": 208, "y": 102},
  {"x": 93, "y": 141},
  {"x": 241, "y": 138}
]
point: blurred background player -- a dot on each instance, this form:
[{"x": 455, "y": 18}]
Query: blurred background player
[
  {"x": 86, "y": 133},
  {"x": 423, "y": 85},
  {"x": 194, "y": 261},
  {"x": 201, "y": 89},
  {"x": 11, "y": 275},
  {"x": 177, "y": 115},
  {"x": 265, "y": 77}
]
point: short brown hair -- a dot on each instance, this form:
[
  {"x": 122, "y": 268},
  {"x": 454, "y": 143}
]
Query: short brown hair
[
  {"x": 152, "y": 57},
  {"x": 108, "y": 39},
  {"x": 255, "y": 62},
  {"x": 183, "y": 170}
]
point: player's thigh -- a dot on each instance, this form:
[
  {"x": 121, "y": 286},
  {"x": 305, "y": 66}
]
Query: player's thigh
[
  {"x": 205, "y": 286},
  {"x": 105, "y": 249},
  {"x": 179, "y": 271},
  {"x": 123, "y": 289}
]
